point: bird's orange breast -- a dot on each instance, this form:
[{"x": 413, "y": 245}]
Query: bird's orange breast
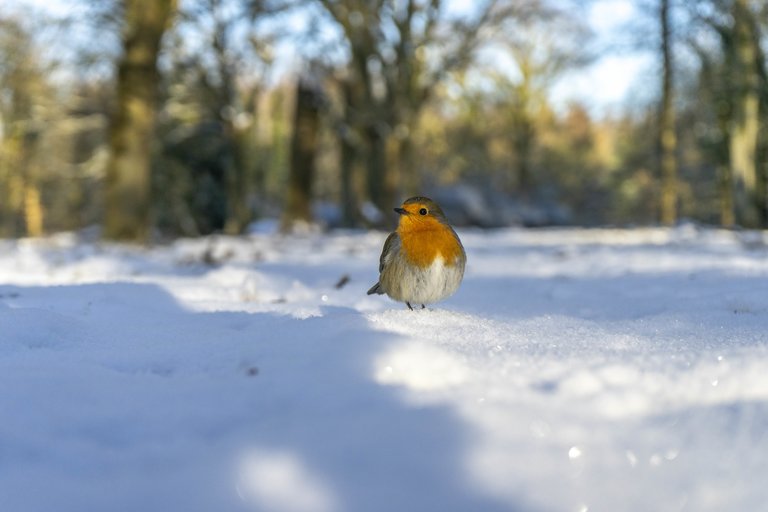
[{"x": 424, "y": 242}]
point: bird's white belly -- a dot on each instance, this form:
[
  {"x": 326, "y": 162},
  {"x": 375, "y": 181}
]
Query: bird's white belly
[{"x": 429, "y": 284}]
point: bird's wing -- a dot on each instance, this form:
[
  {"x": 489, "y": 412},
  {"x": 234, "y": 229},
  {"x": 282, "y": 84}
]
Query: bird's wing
[
  {"x": 456, "y": 236},
  {"x": 390, "y": 246}
]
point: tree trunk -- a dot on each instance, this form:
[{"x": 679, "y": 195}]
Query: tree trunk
[
  {"x": 33, "y": 211},
  {"x": 127, "y": 203},
  {"x": 744, "y": 129},
  {"x": 352, "y": 176},
  {"x": 523, "y": 129},
  {"x": 350, "y": 206},
  {"x": 394, "y": 173},
  {"x": 667, "y": 135},
  {"x": 31, "y": 204},
  {"x": 378, "y": 184},
  {"x": 304, "y": 144},
  {"x": 409, "y": 177},
  {"x": 762, "y": 186},
  {"x": 725, "y": 193},
  {"x": 522, "y": 142},
  {"x": 236, "y": 182}
]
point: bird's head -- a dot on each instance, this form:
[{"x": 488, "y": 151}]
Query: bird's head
[{"x": 420, "y": 213}]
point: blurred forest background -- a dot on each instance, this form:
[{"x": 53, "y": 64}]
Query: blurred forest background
[{"x": 160, "y": 118}]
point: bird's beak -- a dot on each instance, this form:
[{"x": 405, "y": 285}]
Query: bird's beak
[{"x": 401, "y": 211}]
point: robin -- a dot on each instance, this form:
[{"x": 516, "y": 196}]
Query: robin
[{"x": 423, "y": 260}]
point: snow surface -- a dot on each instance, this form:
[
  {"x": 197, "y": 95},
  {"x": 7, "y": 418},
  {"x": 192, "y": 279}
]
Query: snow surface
[{"x": 574, "y": 370}]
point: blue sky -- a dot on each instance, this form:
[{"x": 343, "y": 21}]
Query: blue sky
[{"x": 614, "y": 78}]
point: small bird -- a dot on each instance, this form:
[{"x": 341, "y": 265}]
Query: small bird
[{"x": 423, "y": 260}]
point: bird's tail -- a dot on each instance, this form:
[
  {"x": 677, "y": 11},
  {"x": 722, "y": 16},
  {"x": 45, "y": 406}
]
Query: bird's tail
[{"x": 376, "y": 289}]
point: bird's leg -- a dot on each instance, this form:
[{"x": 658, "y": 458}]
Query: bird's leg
[
  {"x": 423, "y": 306},
  {"x": 409, "y": 305}
]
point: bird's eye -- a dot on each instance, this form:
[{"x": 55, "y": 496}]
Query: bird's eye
[{"x": 423, "y": 211}]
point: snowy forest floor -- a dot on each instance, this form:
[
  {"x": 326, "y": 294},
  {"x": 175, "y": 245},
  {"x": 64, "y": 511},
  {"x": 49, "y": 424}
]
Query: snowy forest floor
[{"x": 574, "y": 370}]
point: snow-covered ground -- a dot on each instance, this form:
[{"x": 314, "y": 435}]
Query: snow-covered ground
[{"x": 574, "y": 370}]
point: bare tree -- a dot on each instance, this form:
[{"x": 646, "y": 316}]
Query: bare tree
[
  {"x": 745, "y": 122},
  {"x": 25, "y": 109},
  {"x": 215, "y": 88},
  {"x": 304, "y": 144},
  {"x": 667, "y": 132},
  {"x": 540, "y": 59},
  {"x": 127, "y": 202},
  {"x": 713, "y": 94},
  {"x": 233, "y": 85},
  {"x": 400, "y": 51},
  {"x": 742, "y": 83}
]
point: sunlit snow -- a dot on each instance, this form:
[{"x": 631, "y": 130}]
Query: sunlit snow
[{"x": 622, "y": 370}]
